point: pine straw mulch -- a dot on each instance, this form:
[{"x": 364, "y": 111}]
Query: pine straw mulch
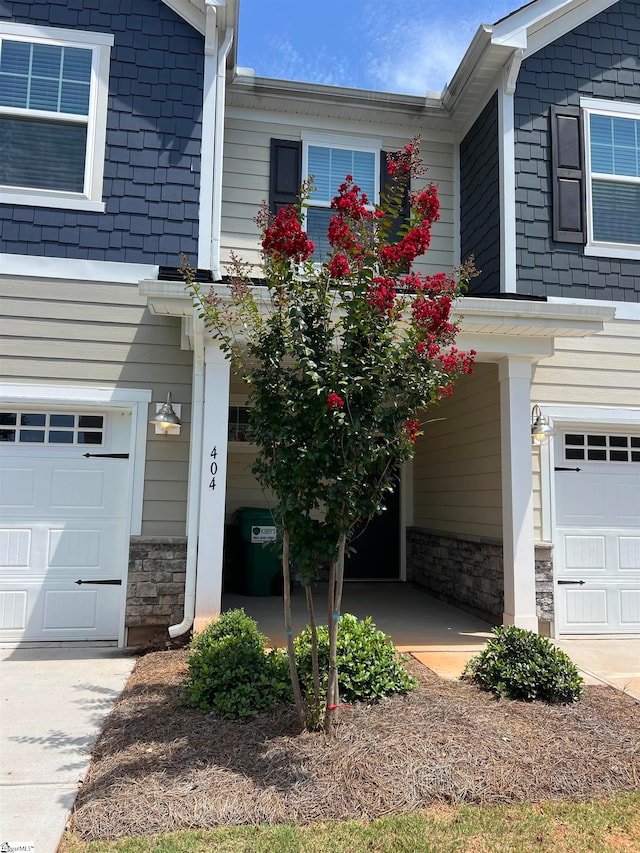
[{"x": 161, "y": 767}]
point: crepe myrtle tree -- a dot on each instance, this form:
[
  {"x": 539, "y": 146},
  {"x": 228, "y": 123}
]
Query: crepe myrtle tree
[{"x": 341, "y": 357}]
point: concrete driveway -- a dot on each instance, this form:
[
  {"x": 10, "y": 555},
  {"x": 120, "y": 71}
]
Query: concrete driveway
[
  {"x": 607, "y": 660},
  {"x": 53, "y": 703}
]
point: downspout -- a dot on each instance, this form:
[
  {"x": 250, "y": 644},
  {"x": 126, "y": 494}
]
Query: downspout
[
  {"x": 193, "y": 500},
  {"x": 221, "y": 78}
]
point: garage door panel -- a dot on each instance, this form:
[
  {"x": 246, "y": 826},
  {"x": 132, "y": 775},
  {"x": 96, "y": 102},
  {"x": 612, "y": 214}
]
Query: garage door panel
[
  {"x": 629, "y": 553},
  {"x": 13, "y": 612},
  {"x": 65, "y": 608},
  {"x": 72, "y": 548},
  {"x": 17, "y": 488},
  {"x": 585, "y": 554},
  {"x": 630, "y": 608},
  {"x": 586, "y": 608},
  {"x": 15, "y": 548},
  {"x": 628, "y": 502},
  {"x": 77, "y": 489}
]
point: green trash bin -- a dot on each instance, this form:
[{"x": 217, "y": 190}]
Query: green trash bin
[{"x": 262, "y": 574}]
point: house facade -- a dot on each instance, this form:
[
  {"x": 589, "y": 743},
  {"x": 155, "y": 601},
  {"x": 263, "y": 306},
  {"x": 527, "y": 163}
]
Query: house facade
[{"x": 132, "y": 137}]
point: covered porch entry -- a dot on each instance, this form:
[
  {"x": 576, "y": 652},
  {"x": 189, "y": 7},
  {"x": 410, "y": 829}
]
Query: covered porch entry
[{"x": 440, "y": 635}]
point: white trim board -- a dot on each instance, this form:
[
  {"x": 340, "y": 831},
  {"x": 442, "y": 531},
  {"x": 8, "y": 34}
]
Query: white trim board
[
  {"x": 624, "y": 310},
  {"x": 36, "y": 266}
]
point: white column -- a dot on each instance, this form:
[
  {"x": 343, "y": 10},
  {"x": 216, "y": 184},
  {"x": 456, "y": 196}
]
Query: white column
[
  {"x": 213, "y": 476},
  {"x": 517, "y": 494}
]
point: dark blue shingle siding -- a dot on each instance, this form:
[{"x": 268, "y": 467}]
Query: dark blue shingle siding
[
  {"x": 480, "y": 199},
  {"x": 154, "y": 123},
  {"x": 598, "y": 59}
]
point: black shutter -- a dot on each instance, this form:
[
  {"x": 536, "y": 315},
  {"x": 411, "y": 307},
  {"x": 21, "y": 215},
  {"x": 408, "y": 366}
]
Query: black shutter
[
  {"x": 285, "y": 176},
  {"x": 567, "y": 163},
  {"x": 385, "y": 186}
]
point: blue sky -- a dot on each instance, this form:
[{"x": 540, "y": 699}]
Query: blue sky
[{"x": 406, "y": 46}]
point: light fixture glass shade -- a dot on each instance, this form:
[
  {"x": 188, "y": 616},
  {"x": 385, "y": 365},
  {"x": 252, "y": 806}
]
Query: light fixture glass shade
[
  {"x": 165, "y": 417},
  {"x": 541, "y": 429}
]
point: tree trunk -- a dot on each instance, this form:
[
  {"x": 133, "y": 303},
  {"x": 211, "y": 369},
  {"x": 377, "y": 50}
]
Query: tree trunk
[
  {"x": 336, "y": 582},
  {"x": 295, "y": 681},
  {"x": 315, "y": 666}
]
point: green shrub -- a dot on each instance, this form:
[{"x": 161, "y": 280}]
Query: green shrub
[
  {"x": 230, "y": 673},
  {"x": 519, "y": 664},
  {"x": 369, "y": 666}
]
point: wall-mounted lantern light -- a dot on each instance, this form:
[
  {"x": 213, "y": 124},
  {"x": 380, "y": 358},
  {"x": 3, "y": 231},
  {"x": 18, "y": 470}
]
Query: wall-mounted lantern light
[
  {"x": 541, "y": 429},
  {"x": 166, "y": 420}
]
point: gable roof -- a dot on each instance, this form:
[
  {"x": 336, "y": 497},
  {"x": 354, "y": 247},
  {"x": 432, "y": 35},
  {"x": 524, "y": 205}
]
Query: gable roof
[{"x": 527, "y": 29}]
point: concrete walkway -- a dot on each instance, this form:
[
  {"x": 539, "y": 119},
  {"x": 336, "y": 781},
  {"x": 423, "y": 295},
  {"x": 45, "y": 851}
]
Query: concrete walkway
[{"x": 54, "y": 701}]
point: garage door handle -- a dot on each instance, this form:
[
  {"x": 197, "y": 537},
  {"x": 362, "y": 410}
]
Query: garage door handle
[
  {"x": 555, "y": 469},
  {"x": 113, "y": 582},
  {"x": 565, "y": 583},
  {"x": 107, "y": 455}
]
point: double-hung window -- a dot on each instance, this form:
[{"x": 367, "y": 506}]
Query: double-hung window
[
  {"x": 330, "y": 159},
  {"x": 53, "y": 107},
  {"x": 613, "y": 186}
]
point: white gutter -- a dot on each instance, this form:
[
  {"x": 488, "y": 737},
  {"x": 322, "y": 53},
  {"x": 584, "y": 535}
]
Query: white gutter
[
  {"x": 193, "y": 498},
  {"x": 207, "y": 145},
  {"x": 218, "y": 145}
]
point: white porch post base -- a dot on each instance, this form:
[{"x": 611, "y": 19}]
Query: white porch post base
[
  {"x": 213, "y": 476},
  {"x": 517, "y": 497}
]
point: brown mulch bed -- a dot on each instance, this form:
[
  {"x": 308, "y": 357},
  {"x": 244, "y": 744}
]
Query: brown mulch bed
[{"x": 161, "y": 767}]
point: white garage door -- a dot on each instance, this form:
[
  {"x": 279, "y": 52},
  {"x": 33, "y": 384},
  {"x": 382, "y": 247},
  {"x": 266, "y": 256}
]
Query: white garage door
[
  {"x": 64, "y": 518},
  {"x": 597, "y": 553}
]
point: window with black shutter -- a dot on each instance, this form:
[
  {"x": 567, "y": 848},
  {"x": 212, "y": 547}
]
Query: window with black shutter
[
  {"x": 329, "y": 161},
  {"x": 567, "y": 175}
]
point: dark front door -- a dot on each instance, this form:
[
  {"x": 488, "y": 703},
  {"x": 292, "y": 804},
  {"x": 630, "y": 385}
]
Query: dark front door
[{"x": 377, "y": 545}]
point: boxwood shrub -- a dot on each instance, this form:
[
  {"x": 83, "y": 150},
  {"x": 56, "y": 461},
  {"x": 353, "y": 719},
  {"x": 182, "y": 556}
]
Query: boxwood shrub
[
  {"x": 519, "y": 664},
  {"x": 369, "y": 666},
  {"x": 231, "y": 674}
]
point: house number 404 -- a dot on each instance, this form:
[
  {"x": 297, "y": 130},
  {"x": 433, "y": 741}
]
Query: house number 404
[{"x": 213, "y": 468}]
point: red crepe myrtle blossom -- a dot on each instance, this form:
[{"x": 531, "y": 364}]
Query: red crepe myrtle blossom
[
  {"x": 457, "y": 362},
  {"x": 284, "y": 238},
  {"x": 341, "y": 237},
  {"x": 426, "y": 203},
  {"x": 334, "y": 401},
  {"x": 412, "y": 428},
  {"x": 338, "y": 266},
  {"x": 406, "y": 161},
  {"x": 351, "y": 201},
  {"x": 381, "y": 295},
  {"x": 414, "y": 243}
]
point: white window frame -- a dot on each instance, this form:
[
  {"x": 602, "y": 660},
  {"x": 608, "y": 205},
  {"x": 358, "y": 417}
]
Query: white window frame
[
  {"x": 347, "y": 143},
  {"x": 594, "y": 106},
  {"x": 96, "y": 120}
]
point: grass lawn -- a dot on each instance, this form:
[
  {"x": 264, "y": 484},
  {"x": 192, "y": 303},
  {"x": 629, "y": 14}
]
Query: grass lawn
[{"x": 606, "y": 825}]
